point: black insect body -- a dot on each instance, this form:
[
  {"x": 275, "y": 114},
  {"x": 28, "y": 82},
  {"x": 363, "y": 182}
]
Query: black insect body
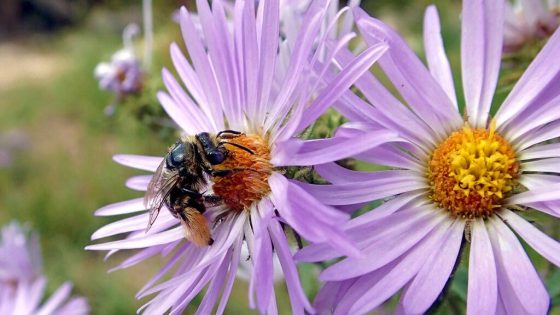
[{"x": 182, "y": 175}]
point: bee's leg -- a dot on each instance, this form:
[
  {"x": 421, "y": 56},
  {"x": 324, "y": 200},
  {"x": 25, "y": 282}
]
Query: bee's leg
[
  {"x": 220, "y": 218},
  {"x": 191, "y": 193},
  {"x": 223, "y": 173},
  {"x": 172, "y": 210},
  {"x": 228, "y": 134},
  {"x": 220, "y": 173},
  {"x": 212, "y": 200},
  {"x": 238, "y": 146},
  {"x": 195, "y": 204}
]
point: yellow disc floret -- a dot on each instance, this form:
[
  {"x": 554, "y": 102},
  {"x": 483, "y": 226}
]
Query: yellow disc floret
[
  {"x": 248, "y": 182},
  {"x": 472, "y": 171}
]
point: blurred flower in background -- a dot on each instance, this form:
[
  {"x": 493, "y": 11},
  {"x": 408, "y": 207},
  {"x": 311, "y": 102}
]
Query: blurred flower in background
[
  {"x": 22, "y": 285},
  {"x": 123, "y": 75},
  {"x": 529, "y": 21},
  {"x": 528, "y": 26}
]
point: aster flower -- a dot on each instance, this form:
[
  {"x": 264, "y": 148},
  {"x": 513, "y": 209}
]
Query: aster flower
[
  {"x": 529, "y": 21},
  {"x": 123, "y": 75},
  {"x": 448, "y": 177},
  {"x": 234, "y": 82},
  {"x": 22, "y": 285}
]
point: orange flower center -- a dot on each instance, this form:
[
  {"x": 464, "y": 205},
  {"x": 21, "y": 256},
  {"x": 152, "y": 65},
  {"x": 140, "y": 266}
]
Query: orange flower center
[
  {"x": 472, "y": 171},
  {"x": 248, "y": 183}
]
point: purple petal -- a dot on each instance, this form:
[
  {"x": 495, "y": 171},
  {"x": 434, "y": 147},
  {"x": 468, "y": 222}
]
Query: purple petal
[
  {"x": 342, "y": 82},
  {"x": 123, "y": 207},
  {"x": 535, "y": 82},
  {"x": 387, "y": 208},
  {"x": 542, "y": 243},
  {"x": 482, "y": 293},
  {"x": 219, "y": 41},
  {"x": 174, "y": 297},
  {"x": 548, "y": 132},
  {"x": 130, "y": 224},
  {"x": 541, "y": 152},
  {"x": 268, "y": 52},
  {"x": 181, "y": 253},
  {"x": 150, "y": 240},
  {"x": 56, "y": 300},
  {"x": 250, "y": 55},
  {"x": 213, "y": 292},
  {"x": 352, "y": 290},
  {"x": 312, "y": 152},
  {"x": 139, "y": 183},
  {"x": 29, "y": 296},
  {"x": 139, "y": 257},
  {"x": 384, "y": 249},
  {"x": 198, "y": 259},
  {"x": 326, "y": 298},
  {"x": 337, "y": 174},
  {"x": 173, "y": 109},
  {"x": 545, "y": 207},
  {"x": 435, "y": 53},
  {"x": 390, "y": 184},
  {"x": 203, "y": 69},
  {"x": 481, "y": 53},
  {"x": 388, "y": 111},
  {"x": 410, "y": 77},
  {"x": 368, "y": 228},
  {"x": 549, "y": 193},
  {"x": 516, "y": 270},
  {"x": 141, "y": 162},
  {"x": 76, "y": 306},
  {"x": 302, "y": 47},
  {"x": 434, "y": 274},
  {"x": 543, "y": 166},
  {"x": 298, "y": 299},
  {"x": 307, "y": 216},
  {"x": 187, "y": 74},
  {"x": 535, "y": 117},
  {"x": 534, "y": 181},
  {"x": 261, "y": 281},
  {"x": 392, "y": 155},
  {"x": 182, "y": 108},
  {"x": 396, "y": 277},
  {"x": 236, "y": 257}
]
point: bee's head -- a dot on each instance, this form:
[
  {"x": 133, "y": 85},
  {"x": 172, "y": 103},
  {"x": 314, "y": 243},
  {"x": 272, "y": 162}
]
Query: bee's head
[
  {"x": 176, "y": 157},
  {"x": 212, "y": 148},
  {"x": 217, "y": 156}
]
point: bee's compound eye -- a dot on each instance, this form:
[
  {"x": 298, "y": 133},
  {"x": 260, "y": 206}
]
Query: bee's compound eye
[
  {"x": 216, "y": 157},
  {"x": 176, "y": 157}
]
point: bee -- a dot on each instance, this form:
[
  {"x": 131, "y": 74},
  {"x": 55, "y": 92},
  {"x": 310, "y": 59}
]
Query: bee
[{"x": 180, "y": 177}]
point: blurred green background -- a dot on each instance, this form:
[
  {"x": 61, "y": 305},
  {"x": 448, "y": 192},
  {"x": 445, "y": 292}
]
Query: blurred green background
[{"x": 56, "y": 143}]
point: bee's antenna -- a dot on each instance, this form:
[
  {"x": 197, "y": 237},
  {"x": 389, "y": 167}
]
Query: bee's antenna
[
  {"x": 238, "y": 146},
  {"x": 222, "y": 173},
  {"x": 230, "y": 132}
]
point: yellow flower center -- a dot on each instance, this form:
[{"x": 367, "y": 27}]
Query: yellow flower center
[
  {"x": 248, "y": 182},
  {"x": 472, "y": 171}
]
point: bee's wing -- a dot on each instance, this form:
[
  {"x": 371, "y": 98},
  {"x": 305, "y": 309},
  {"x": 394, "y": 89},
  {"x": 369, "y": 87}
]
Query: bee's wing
[{"x": 158, "y": 189}]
